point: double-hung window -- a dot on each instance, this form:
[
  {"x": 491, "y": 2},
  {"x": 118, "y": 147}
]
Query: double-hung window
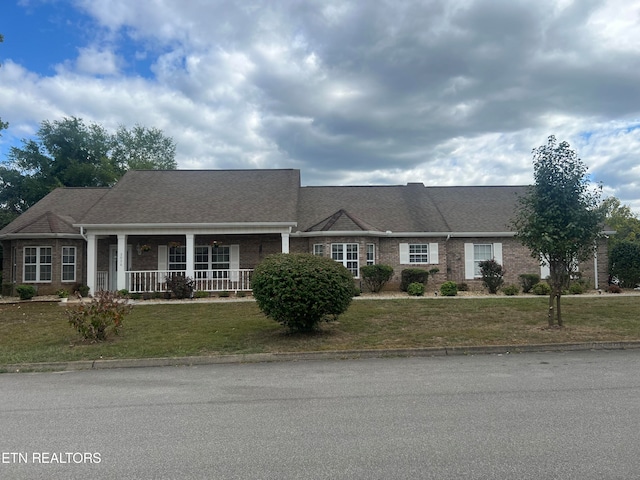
[
  {"x": 347, "y": 254},
  {"x": 481, "y": 253},
  {"x": 318, "y": 249},
  {"x": 178, "y": 258},
  {"x": 474, "y": 253},
  {"x": 371, "y": 253},
  {"x": 37, "y": 264},
  {"x": 212, "y": 262},
  {"x": 418, "y": 253},
  {"x": 68, "y": 264}
]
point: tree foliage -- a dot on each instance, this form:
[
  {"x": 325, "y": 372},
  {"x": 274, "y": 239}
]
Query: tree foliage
[
  {"x": 559, "y": 218},
  {"x": 622, "y": 220},
  {"x": 71, "y": 153},
  {"x": 301, "y": 290},
  {"x": 624, "y": 262},
  {"x": 492, "y": 275}
]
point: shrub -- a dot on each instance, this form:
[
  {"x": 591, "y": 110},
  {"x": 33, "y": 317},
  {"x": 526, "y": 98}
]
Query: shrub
[
  {"x": 528, "y": 280},
  {"x": 376, "y": 276},
  {"x": 492, "y": 275},
  {"x": 201, "y": 294},
  {"x": 7, "y": 289},
  {"x": 449, "y": 289},
  {"x": 62, "y": 293},
  {"x": 181, "y": 285},
  {"x": 124, "y": 292},
  {"x": 412, "y": 275},
  {"x": 300, "y": 290},
  {"x": 614, "y": 289},
  {"x": 511, "y": 290},
  {"x": 541, "y": 288},
  {"x": 576, "y": 288},
  {"x": 224, "y": 294},
  {"x": 416, "y": 289},
  {"x": 83, "y": 290},
  {"x": 26, "y": 292},
  {"x": 96, "y": 320},
  {"x": 624, "y": 262},
  {"x": 463, "y": 287}
]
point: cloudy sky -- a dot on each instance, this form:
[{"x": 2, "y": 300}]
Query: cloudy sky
[{"x": 446, "y": 92}]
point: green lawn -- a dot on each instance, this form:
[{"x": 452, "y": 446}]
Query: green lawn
[{"x": 39, "y": 332}]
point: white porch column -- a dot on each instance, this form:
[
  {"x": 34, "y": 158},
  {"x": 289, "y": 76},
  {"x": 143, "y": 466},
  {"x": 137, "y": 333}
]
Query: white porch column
[
  {"x": 190, "y": 255},
  {"x": 92, "y": 263},
  {"x": 285, "y": 242},
  {"x": 121, "y": 278}
]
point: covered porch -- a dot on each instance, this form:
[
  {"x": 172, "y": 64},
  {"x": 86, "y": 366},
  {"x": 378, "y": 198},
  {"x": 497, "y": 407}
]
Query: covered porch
[{"x": 216, "y": 259}]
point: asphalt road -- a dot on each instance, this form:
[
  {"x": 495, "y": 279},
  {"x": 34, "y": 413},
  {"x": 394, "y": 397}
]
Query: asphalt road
[{"x": 572, "y": 415}]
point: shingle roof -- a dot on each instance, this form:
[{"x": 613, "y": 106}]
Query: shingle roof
[
  {"x": 409, "y": 208},
  {"x": 265, "y": 196},
  {"x": 56, "y": 213},
  {"x": 199, "y": 196}
]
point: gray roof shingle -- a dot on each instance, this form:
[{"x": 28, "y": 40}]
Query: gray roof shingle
[
  {"x": 56, "y": 213},
  {"x": 199, "y": 197}
]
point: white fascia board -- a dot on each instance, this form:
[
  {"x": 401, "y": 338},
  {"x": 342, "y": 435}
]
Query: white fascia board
[
  {"x": 370, "y": 233},
  {"x": 196, "y": 228}
]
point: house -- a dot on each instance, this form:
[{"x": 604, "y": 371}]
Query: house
[{"x": 215, "y": 226}]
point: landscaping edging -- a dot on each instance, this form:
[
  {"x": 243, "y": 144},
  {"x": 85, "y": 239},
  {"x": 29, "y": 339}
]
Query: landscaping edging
[{"x": 102, "y": 364}]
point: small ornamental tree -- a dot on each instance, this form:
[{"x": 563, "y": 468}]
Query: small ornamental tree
[
  {"x": 376, "y": 276},
  {"x": 300, "y": 290},
  {"x": 559, "y": 219},
  {"x": 492, "y": 275}
]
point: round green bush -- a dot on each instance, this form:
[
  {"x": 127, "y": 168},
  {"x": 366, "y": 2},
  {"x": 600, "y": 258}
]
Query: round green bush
[
  {"x": 26, "y": 292},
  {"x": 541, "y": 288},
  {"x": 576, "y": 288},
  {"x": 511, "y": 290},
  {"x": 415, "y": 289},
  {"x": 299, "y": 290},
  {"x": 449, "y": 289}
]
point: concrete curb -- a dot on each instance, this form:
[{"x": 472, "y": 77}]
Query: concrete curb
[{"x": 101, "y": 364}]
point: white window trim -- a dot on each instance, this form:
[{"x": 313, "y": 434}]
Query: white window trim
[
  {"x": 432, "y": 254},
  {"x": 74, "y": 264},
  {"x": 38, "y": 264},
  {"x": 469, "y": 258},
  {"x": 344, "y": 261},
  {"x": 371, "y": 261},
  {"x": 318, "y": 249}
]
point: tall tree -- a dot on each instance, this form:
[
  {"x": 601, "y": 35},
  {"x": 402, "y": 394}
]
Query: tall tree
[
  {"x": 70, "y": 153},
  {"x": 559, "y": 219},
  {"x": 143, "y": 148}
]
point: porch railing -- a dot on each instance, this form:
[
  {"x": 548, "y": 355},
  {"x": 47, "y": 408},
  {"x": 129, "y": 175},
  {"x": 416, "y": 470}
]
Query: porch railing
[{"x": 205, "y": 280}]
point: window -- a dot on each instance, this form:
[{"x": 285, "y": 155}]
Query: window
[
  {"x": 212, "y": 258},
  {"x": 37, "y": 264},
  {"x": 481, "y": 252},
  {"x": 347, "y": 254},
  {"x": 68, "y": 264},
  {"x": 178, "y": 258},
  {"x": 318, "y": 249},
  {"x": 419, "y": 253},
  {"x": 474, "y": 253},
  {"x": 371, "y": 254}
]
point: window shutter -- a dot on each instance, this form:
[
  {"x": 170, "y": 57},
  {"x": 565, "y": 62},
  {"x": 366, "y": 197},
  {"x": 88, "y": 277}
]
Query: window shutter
[
  {"x": 468, "y": 262},
  {"x": 404, "y": 253},
  {"x": 433, "y": 253},
  {"x": 497, "y": 252},
  {"x": 163, "y": 257},
  {"x": 234, "y": 262}
]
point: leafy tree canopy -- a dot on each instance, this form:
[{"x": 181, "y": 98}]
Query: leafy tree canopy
[
  {"x": 621, "y": 219},
  {"x": 559, "y": 218},
  {"x": 71, "y": 153}
]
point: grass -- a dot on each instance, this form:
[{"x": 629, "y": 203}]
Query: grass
[{"x": 39, "y": 332}]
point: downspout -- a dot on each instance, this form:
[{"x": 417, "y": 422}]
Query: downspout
[{"x": 595, "y": 264}]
